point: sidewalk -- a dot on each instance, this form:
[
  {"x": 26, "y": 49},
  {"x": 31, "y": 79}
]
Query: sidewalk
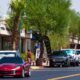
[
  {"x": 34, "y": 67},
  {"x": 37, "y": 67}
]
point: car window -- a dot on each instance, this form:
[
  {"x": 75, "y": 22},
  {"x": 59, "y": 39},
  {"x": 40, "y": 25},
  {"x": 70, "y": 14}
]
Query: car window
[
  {"x": 11, "y": 60},
  {"x": 70, "y": 52},
  {"x": 78, "y": 52},
  {"x": 59, "y": 53},
  {"x": 7, "y": 54}
]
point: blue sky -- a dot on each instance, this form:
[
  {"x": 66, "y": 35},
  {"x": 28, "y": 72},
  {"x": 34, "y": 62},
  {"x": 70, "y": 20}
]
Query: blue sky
[
  {"x": 4, "y": 6},
  {"x": 76, "y": 5}
]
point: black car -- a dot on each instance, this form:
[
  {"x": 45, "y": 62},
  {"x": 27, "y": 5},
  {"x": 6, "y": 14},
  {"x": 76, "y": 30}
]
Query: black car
[
  {"x": 78, "y": 55},
  {"x": 62, "y": 57}
]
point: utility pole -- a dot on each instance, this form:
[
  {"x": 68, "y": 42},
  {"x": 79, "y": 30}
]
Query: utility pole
[{"x": 19, "y": 31}]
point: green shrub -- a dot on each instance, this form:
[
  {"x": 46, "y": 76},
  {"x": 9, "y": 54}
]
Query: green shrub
[{"x": 24, "y": 56}]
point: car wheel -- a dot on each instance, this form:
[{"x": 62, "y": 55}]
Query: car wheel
[
  {"x": 51, "y": 64},
  {"x": 23, "y": 73},
  {"x": 77, "y": 63},
  {"x": 73, "y": 63},
  {"x": 67, "y": 63},
  {"x": 1, "y": 76}
]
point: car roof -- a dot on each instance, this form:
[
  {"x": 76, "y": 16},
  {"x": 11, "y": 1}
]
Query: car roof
[
  {"x": 8, "y": 51},
  {"x": 13, "y": 57},
  {"x": 68, "y": 49}
]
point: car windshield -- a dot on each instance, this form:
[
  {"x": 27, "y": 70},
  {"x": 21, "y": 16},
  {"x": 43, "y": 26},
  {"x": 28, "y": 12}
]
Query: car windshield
[
  {"x": 15, "y": 60},
  {"x": 69, "y": 52},
  {"x": 7, "y": 54},
  {"x": 78, "y": 52},
  {"x": 59, "y": 53}
]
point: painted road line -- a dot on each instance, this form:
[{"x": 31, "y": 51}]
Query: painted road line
[{"x": 58, "y": 78}]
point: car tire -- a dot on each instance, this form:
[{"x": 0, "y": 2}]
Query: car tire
[
  {"x": 77, "y": 63},
  {"x": 73, "y": 64},
  {"x": 1, "y": 76},
  {"x": 51, "y": 63},
  {"x": 68, "y": 63}
]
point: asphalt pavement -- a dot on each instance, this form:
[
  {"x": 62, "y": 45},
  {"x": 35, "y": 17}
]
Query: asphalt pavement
[{"x": 63, "y": 73}]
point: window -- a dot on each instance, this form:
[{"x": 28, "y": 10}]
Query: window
[{"x": 2, "y": 28}]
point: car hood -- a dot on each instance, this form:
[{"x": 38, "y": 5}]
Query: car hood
[
  {"x": 59, "y": 57},
  {"x": 8, "y": 66}
]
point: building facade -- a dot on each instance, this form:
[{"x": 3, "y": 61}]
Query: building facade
[
  {"x": 26, "y": 39},
  {"x": 5, "y": 38}
]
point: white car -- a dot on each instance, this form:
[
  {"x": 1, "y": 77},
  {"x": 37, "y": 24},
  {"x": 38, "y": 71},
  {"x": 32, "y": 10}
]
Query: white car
[
  {"x": 9, "y": 53},
  {"x": 78, "y": 54}
]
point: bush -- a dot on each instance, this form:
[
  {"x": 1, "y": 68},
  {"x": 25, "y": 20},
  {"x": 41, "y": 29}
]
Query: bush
[{"x": 24, "y": 56}]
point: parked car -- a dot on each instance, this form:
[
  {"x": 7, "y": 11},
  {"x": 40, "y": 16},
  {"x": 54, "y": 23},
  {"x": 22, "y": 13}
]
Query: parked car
[
  {"x": 78, "y": 55},
  {"x": 9, "y": 53},
  {"x": 14, "y": 66},
  {"x": 63, "y": 57}
]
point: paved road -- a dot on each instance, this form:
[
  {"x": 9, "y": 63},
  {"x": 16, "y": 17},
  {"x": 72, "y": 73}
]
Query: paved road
[{"x": 67, "y": 73}]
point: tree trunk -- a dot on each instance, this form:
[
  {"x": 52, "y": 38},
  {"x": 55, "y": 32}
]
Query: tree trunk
[
  {"x": 15, "y": 33},
  {"x": 41, "y": 49},
  {"x": 47, "y": 44},
  {"x": 44, "y": 40},
  {"x": 40, "y": 60},
  {"x": 75, "y": 46}
]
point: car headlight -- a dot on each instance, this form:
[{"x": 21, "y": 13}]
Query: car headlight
[{"x": 17, "y": 67}]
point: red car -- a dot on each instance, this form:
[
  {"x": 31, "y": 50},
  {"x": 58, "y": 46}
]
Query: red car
[{"x": 14, "y": 66}]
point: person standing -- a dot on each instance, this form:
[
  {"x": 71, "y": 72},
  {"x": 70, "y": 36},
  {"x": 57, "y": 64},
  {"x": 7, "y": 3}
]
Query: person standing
[{"x": 29, "y": 56}]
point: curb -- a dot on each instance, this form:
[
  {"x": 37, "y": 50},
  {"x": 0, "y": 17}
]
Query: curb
[{"x": 36, "y": 67}]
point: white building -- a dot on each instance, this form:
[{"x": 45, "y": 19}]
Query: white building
[{"x": 5, "y": 38}]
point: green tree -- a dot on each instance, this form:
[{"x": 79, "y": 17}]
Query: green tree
[
  {"x": 79, "y": 25},
  {"x": 74, "y": 19},
  {"x": 16, "y": 10},
  {"x": 74, "y": 30},
  {"x": 58, "y": 41},
  {"x": 74, "y": 25},
  {"x": 49, "y": 16},
  {"x": 45, "y": 16}
]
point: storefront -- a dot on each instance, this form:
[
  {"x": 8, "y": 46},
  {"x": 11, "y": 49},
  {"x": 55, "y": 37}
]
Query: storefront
[{"x": 6, "y": 40}]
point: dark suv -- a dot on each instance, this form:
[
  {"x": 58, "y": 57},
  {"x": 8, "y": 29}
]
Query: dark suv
[{"x": 63, "y": 57}]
